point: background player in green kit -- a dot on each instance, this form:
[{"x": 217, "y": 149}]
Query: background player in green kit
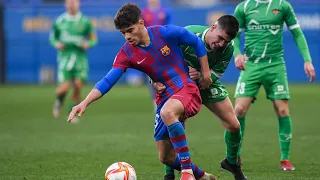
[
  {"x": 72, "y": 34},
  {"x": 217, "y": 40},
  {"x": 263, "y": 63}
]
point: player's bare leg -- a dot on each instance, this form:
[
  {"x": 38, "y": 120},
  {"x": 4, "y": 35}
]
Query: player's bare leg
[
  {"x": 76, "y": 98},
  {"x": 224, "y": 111},
  {"x": 167, "y": 155},
  {"x": 61, "y": 93},
  {"x": 285, "y": 132},
  {"x": 170, "y": 113},
  {"x": 242, "y": 105}
]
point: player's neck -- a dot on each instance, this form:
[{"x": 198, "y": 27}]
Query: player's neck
[
  {"x": 76, "y": 13},
  {"x": 145, "y": 40}
]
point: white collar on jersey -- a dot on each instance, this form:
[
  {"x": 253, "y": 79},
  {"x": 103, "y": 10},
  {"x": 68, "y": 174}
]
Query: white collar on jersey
[
  {"x": 76, "y": 17},
  {"x": 262, "y": 1}
]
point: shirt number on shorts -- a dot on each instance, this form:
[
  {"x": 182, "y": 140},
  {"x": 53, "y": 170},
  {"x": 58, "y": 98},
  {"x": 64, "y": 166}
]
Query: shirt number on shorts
[
  {"x": 156, "y": 121},
  {"x": 240, "y": 88}
]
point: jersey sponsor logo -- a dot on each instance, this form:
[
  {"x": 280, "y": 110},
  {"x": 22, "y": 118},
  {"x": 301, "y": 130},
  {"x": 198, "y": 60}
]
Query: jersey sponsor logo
[
  {"x": 280, "y": 90},
  {"x": 275, "y": 11},
  {"x": 139, "y": 62},
  {"x": 255, "y": 25},
  {"x": 280, "y": 87},
  {"x": 165, "y": 50}
]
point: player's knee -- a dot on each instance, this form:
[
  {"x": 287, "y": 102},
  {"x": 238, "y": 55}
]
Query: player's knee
[
  {"x": 233, "y": 127},
  {"x": 63, "y": 88},
  {"x": 77, "y": 86},
  {"x": 240, "y": 110},
  {"x": 167, "y": 115},
  {"x": 282, "y": 111}
]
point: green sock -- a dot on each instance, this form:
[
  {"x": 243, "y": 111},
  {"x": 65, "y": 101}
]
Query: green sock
[
  {"x": 242, "y": 125},
  {"x": 285, "y": 135},
  {"x": 233, "y": 143},
  {"x": 168, "y": 170}
]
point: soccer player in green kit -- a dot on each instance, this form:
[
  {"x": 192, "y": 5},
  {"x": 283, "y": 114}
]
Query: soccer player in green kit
[
  {"x": 72, "y": 34},
  {"x": 263, "y": 64},
  {"x": 218, "y": 41}
]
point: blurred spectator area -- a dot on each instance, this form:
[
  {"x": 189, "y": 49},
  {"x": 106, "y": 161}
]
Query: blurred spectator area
[
  {"x": 195, "y": 3},
  {"x": 27, "y": 24}
]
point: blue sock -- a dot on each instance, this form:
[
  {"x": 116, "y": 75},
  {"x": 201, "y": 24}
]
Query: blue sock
[{"x": 179, "y": 142}]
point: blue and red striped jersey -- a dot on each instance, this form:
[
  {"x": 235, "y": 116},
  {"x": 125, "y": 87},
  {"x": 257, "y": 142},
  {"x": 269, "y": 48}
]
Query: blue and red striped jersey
[
  {"x": 162, "y": 60},
  {"x": 156, "y": 17}
]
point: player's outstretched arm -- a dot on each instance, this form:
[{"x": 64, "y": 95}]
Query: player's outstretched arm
[{"x": 101, "y": 88}]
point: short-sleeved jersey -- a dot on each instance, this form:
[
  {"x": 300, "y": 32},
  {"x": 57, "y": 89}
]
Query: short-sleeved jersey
[
  {"x": 263, "y": 22},
  {"x": 72, "y": 31},
  {"x": 158, "y": 17},
  {"x": 219, "y": 58},
  {"x": 162, "y": 60}
]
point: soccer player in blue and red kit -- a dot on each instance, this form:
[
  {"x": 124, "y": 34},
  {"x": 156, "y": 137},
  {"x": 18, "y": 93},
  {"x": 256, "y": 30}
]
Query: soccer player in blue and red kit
[
  {"x": 156, "y": 52},
  {"x": 155, "y": 14}
]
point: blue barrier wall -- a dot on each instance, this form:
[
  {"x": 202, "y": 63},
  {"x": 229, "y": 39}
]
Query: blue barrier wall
[{"x": 28, "y": 50}]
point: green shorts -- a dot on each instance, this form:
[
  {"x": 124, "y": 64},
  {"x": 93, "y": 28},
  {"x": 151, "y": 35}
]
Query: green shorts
[
  {"x": 215, "y": 93},
  {"x": 272, "y": 75},
  {"x": 73, "y": 66}
]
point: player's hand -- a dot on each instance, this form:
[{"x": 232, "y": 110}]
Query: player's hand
[
  {"x": 193, "y": 73},
  {"x": 239, "y": 62},
  {"x": 59, "y": 45},
  {"x": 309, "y": 70},
  {"x": 80, "y": 109},
  {"x": 205, "y": 82},
  {"x": 85, "y": 45},
  {"x": 158, "y": 87}
]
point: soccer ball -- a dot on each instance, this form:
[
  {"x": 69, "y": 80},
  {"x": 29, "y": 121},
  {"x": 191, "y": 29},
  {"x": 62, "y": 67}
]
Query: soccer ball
[{"x": 120, "y": 171}]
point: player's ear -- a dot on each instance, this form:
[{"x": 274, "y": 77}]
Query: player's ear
[
  {"x": 213, "y": 27},
  {"x": 141, "y": 22}
]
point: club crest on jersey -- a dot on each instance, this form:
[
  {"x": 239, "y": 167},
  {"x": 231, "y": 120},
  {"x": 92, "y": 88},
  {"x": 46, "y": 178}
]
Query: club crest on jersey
[
  {"x": 165, "y": 50},
  {"x": 275, "y": 11}
]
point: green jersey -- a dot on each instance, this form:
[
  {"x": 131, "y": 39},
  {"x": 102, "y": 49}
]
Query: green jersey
[
  {"x": 72, "y": 31},
  {"x": 219, "y": 58},
  {"x": 262, "y": 21}
]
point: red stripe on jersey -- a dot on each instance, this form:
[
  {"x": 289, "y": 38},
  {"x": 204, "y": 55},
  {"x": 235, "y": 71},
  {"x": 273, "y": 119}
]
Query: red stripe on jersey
[
  {"x": 181, "y": 72},
  {"x": 159, "y": 60},
  {"x": 173, "y": 65},
  {"x": 158, "y": 44},
  {"x": 173, "y": 53}
]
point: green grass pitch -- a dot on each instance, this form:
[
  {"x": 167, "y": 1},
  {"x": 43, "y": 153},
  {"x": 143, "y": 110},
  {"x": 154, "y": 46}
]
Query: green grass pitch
[{"x": 119, "y": 127}]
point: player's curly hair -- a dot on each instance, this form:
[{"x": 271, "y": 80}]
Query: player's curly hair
[
  {"x": 128, "y": 15},
  {"x": 229, "y": 24}
]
